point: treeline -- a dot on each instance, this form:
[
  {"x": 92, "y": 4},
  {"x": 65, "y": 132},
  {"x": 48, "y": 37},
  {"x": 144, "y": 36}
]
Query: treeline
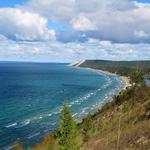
[{"x": 123, "y": 68}]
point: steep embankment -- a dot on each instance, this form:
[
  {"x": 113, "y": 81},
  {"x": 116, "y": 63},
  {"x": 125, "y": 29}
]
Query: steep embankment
[
  {"x": 124, "y": 123},
  {"x": 77, "y": 64}
]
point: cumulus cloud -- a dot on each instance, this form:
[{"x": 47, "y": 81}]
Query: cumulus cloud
[
  {"x": 82, "y": 23},
  {"x": 93, "y": 29},
  {"x": 111, "y": 20},
  {"x": 54, "y": 51},
  {"x": 141, "y": 34},
  {"x": 17, "y": 24},
  {"x": 56, "y": 10}
]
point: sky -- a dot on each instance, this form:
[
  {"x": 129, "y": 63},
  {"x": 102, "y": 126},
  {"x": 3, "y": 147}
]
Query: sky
[{"x": 74, "y": 30}]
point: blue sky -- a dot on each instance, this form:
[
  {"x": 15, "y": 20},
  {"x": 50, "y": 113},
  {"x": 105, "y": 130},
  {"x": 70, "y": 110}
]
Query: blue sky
[
  {"x": 11, "y": 3},
  {"x": 66, "y": 30},
  {"x": 143, "y": 1}
]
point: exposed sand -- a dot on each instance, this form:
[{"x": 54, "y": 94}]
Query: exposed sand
[
  {"x": 76, "y": 64},
  {"x": 126, "y": 81}
]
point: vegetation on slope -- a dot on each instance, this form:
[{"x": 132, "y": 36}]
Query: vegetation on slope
[
  {"x": 123, "y": 68},
  {"x": 122, "y": 124}
]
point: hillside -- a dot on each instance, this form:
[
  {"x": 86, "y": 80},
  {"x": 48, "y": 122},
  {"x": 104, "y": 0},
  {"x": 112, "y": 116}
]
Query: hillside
[
  {"x": 120, "y": 67},
  {"x": 123, "y": 124}
]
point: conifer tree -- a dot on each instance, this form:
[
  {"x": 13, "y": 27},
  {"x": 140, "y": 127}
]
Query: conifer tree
[{"x": 67, "y": 132}]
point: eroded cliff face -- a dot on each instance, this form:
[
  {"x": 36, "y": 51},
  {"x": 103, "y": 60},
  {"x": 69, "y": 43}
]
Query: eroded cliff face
[{"x": 77, "y": 64}]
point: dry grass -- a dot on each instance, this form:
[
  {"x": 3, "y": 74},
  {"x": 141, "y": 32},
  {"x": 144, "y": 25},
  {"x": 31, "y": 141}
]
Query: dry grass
[{"x": 123, "y": 127}]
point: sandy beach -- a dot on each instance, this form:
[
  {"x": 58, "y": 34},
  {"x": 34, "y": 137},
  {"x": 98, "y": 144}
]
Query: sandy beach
[{"x": 126, "y": 81}]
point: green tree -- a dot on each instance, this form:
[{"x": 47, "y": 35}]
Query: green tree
[
  {"x": 67, "y": 132},
  {"x": 87, "y": 127}
]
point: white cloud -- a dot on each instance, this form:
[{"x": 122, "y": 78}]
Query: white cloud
[
  {"x": 22, "y": 25},
  {"x": 82, "y": 23},
  {"x": 101, "y": 19},
  {"x": 58, "y": 10},
  {"x": 141, "y": 34},
  {"x": 104, "y": 29},
  {"x": 54, "y": 51}
]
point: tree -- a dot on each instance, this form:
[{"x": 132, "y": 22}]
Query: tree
[
  {"x": 67, "y": 132},
  {"x": 137, "y": 77},
  {"x": 87, "y": 127}
]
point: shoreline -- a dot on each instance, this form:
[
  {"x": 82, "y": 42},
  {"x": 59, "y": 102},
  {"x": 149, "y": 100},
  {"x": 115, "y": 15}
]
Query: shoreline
[
  {"x": 125, "y": 80},
  {"x": 125, "y": 83}
]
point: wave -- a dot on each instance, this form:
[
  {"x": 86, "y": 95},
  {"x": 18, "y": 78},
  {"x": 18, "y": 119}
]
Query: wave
[
  {"x": 33, "y": 135},
  {"x": 23, "y": 123},
  {"x": 78, "y": 101},
  {"x": 83, "y": 98},
  {"x": 93, "y": 108},
  {"x": 11, "y": 125},
  {"x": 75, "y": 114},
  {"x": 18, "y": 124},
  {"x": 9, "y": 147},
  {"x": 49, "y": 115}
]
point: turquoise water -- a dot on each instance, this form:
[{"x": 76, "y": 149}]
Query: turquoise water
[{"x": 32, "y": 94}]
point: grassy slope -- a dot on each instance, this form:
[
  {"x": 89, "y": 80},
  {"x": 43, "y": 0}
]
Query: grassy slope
[{"x": 131, "y": 114}]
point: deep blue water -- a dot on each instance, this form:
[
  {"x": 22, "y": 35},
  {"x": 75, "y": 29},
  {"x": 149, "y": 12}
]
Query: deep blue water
[{"x": 32, "y": 94}]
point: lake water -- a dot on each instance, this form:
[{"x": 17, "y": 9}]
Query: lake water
[{"x": 32, "y": 95}]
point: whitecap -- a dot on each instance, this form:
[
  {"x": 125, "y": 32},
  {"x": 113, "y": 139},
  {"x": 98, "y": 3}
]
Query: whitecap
[
  {"x": 23, "y": 123},
  {"x": 33, "y": 135},
  {"x": 40, "y": 117},
  {"x": 10, "y": 147},
  {"x": 56, "y": 112},
  {"x": 70, "y": 105},
  {"x": 53, "y": 123},
  {"x": 49, "y": 115},
  {"x": 11, "y": 125}
]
